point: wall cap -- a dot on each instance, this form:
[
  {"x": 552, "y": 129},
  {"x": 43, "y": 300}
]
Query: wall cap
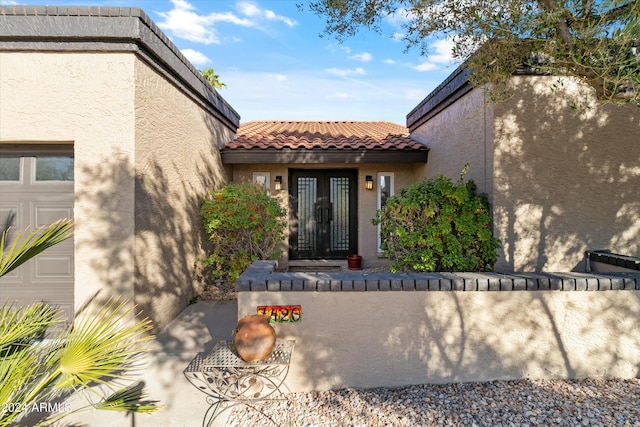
[{"x": 261, "y": 276}]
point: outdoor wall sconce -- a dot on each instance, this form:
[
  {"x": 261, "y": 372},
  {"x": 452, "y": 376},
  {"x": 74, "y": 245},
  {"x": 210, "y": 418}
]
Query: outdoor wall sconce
[
  {"x": 278, "y": 183},
  {"x": 368, "y": 182}
]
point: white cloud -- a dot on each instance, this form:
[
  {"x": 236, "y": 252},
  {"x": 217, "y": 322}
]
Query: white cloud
[
  {"x": 253, "y": 11},
  {"x": 184, "y": 22},
  {"x": 248, "y": 9},
  {"x": 389, "y": 61},
  {"x": 363, "y": 57},
  {"x": 400, "y": 17},
  {"x": 426, "y": 66},
  {"x": 195, "y": 57},
  {"x": 345, "y": 72},
  {"x": 279, "y": 77},
  {"x": 443, "y": 51},
  {"x": 336, "y": 47},
  {"x": 361, "y": 98},
  {"x": 397, "y": 36},
  {"x": 442, "y": 56}
]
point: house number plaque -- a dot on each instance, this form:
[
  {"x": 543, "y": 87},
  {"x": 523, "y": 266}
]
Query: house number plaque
[{"x": 282, "y": 313}]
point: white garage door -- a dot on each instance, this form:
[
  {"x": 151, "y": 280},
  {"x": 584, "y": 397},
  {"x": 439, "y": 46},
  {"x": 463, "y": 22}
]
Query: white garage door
[{"x": 36, "y": 188}]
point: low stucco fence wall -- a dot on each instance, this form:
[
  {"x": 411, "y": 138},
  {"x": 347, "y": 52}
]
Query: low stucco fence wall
[{"x": 383, "y": 330}]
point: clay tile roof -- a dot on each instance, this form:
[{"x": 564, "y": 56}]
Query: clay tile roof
[{"x": 323, "y": 135}]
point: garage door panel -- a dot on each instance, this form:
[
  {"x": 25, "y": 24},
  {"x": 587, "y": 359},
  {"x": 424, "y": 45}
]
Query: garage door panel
[
  {"x": 47, "y": 212},
  {"x": 54, "y": 292},
  {"x": 34, "y": 203},
  {"x": 12, "y": 213},
  {"x": 53, "y": 267},
  {"x": 57, "y": 296},
  {"x": 14, "y": 276},
  {"x": 9, "y": 208}
]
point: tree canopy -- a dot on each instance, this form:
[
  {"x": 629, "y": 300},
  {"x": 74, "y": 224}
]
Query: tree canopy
[{"x": 597, "y": 41}]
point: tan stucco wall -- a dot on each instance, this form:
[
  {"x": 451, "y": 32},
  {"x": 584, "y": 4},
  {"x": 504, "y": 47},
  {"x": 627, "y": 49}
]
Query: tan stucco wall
[
  {"x": 397, "y": 338},
  {"x": 458, "y": 135},
  {"x": 567, "y": 176},
  {"x": 145, "y": 156},
  {"x": 404, "y": 175},
  {"x": 88, "y": 100},
  {"x": 561, "y": 170},
  {"x": 176, "y": 163}
]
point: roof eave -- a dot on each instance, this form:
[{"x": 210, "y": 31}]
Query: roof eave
[
  {"x": 453, "y": 88},
  {"x": 287, "y": 155}
]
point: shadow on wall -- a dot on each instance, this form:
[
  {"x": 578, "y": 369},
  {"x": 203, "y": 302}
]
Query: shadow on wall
[
  {"x": 157, "y": 263},
  {"x": 552, "y": 339},
  {"x": 358, "y": 340},
  {"x": 485, "y": 340},
  {"x": 566, "y": 177}
]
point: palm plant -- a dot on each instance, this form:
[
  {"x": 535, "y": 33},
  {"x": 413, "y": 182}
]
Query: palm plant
[
  {"x": 95, "y": 355},
  {"x": 27, "y": 245}
]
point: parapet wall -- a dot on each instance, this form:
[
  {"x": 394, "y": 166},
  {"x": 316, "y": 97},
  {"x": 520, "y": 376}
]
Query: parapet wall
[{"x": 383, "y": 330}]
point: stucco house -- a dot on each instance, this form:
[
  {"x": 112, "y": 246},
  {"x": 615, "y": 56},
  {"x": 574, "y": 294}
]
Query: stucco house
[
  {"x": 560, "y": 168},
  {"x": 131, "y": 138},
  {"x": 102, "y": 119}
]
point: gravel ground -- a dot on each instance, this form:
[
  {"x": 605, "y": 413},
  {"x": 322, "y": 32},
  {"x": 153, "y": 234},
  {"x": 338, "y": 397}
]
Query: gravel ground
[{"x": 587, "y": 402}]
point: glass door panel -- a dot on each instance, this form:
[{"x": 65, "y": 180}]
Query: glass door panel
[
  {"x": 323, "y": 213},
  {"x": 306, "y": 207}
]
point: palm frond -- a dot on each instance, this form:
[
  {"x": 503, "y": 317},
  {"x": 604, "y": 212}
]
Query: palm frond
[
  {"x": 131, "y": 398},
  {"x": 27, "y": 245},
  {"x": 20, "y": 326},
  {"x": 15, "y": 372},
  {"x": 20, "y": 359},
  {"x": 102, "y": 345}
]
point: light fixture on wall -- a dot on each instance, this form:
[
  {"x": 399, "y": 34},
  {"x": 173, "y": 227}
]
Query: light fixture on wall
[
  {"x": 368, "y": 182},
  {"x": 278, "y": 183}
]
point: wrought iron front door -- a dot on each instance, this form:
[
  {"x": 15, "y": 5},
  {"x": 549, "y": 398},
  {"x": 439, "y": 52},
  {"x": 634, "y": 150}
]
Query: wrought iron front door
[{"x": 323, "y": 213}]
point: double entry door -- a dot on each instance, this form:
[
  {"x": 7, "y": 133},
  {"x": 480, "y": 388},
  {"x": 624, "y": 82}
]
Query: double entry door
[{"x": 324, "y": 217}]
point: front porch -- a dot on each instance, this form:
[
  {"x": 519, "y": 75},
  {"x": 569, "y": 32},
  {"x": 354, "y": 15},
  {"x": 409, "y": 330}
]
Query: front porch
[{"x": 331, "y": 177}]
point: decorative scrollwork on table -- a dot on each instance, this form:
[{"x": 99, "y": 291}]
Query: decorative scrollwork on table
[{"x": 226, "y": 378}]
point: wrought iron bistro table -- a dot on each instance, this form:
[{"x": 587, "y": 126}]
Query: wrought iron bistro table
[{"x": 227, "y": 379}]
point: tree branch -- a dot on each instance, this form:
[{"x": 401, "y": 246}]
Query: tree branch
[{"x": 562, "y": 27}]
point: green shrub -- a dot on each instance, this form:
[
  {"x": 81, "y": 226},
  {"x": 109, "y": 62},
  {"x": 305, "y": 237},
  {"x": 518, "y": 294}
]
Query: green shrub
[
  {"x": 438, "y": 225},
  {"x": 245, "y": 224}
]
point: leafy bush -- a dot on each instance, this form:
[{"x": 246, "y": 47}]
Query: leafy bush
[
  {"x": 438, "y": 225},
  {"x": 245, "y": 224}
]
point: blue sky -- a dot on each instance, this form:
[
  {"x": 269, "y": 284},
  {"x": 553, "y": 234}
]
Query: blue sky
[{"x": 277, "y": 67}]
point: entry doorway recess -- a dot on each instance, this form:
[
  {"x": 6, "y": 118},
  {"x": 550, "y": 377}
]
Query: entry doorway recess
[{"x": 324, "y": 216}]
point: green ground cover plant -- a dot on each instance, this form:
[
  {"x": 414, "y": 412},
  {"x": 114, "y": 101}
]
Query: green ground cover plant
[
  {"x": 245, "y": 224},
  {"x": 438, "y": 225}
]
